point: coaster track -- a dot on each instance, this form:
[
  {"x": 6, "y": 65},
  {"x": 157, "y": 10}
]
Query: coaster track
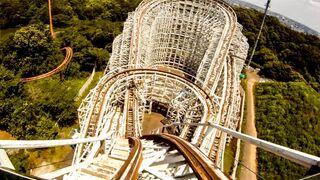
[
  {"x": 65, "y": 62},
  {"x": 179, "y": 58}
]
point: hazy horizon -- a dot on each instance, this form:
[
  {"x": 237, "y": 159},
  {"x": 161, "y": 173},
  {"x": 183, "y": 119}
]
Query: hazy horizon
[{"x": 306, "y": 12}]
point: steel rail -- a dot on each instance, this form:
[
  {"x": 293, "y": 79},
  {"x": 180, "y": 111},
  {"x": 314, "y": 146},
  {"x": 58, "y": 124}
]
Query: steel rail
[
  {"x": 64, "y": 63},
  {"x": 173, "y": 75},
  {"x": 299, "y": 157},
  {"x": 130, "y": 168},
  {"x": 198, "y": 82},
  {"x": 50, "y": 19},
  {"x": 207, "y": 164},
  {"x": 111, "y": 80},
  {"x": 128, "y": 107},
  {"x": 202, "y": 166}
]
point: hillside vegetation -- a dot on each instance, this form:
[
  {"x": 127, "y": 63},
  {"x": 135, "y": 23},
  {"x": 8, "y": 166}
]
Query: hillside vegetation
[
  {"x": 39, "y": 110},
  {"x": 287, "y": 112},
  {"x": 282, "y": 54},
  {"x": 88, "y": 26}
]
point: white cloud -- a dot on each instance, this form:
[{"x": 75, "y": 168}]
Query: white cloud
[
  {"x": 315, "y": 3},
  {"x": 304, "y": 11}
]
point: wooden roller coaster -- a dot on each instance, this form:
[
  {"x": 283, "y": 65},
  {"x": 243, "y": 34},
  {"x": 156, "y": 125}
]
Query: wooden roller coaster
[{"x": 179, "y": 55}]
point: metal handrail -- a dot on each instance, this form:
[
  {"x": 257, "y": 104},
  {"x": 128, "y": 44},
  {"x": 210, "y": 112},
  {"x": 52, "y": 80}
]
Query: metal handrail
[
  {"x": 299, "y": 157},
  {"x": 35, "y": 144}
]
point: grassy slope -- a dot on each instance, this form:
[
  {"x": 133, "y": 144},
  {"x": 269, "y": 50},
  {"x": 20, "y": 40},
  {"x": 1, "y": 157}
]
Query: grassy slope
[{"x": 41, "y": 160}]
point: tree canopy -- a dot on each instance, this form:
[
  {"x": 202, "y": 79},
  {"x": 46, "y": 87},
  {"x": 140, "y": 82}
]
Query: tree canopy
[
  {"x": 30, "y": 51},
  {"x": 287, "y": 114},
  {"x": 38, "y": 109},
  {"x": 282, "y": 54}
]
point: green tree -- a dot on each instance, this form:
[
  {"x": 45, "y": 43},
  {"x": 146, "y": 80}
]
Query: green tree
[
  {"x": 20, "y": 161},
  {"x": 28, "y": 121},
  {"x": 15, "y": 13},
  {"x": 287, "y": 114},
  {"x": 31, "y": 51},
  {"x": 295, "y": 52},
  {"x": 11, "y": 92},
  {"x": 54, "y": 100}
]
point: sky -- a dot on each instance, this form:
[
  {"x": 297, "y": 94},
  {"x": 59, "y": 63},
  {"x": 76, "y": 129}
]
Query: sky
[{"x": 306, "y": 12}]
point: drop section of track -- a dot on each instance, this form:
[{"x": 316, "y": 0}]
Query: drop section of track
[
  {"x": 130, "y": 126},
  {"x": 161, "y": 156},
  {"x": 181, "y": 160}
]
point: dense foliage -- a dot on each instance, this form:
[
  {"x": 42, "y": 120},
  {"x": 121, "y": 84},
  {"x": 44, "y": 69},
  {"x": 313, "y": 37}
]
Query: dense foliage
[
  {"x": 37, "y": 110},
  {"x": 30, "y": 51},
  {"x": 287, "y": 114},
  {"x": 15, "y": 13},
  {"x": 282, "y": 54},
  {"x": 20, "y": 161},
  {"x": 88, "y": 26}
]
